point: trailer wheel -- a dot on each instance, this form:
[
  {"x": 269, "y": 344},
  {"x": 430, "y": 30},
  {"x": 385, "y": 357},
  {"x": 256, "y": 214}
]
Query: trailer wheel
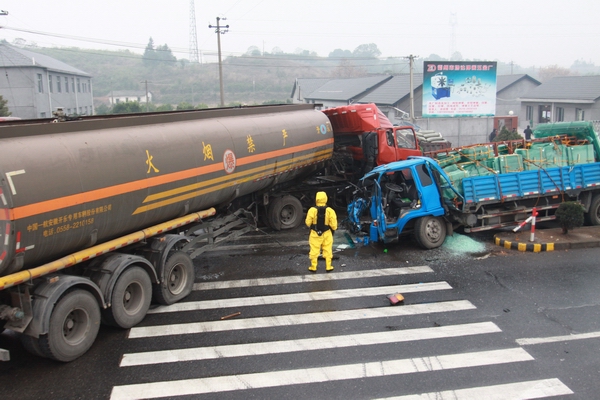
[
  {"x": 285, "y": 213},
  {"x": 177, "y": 279},
  {"x": 592, "y": 217},
  {"x": 430, "y": 232},
  {"x": 130, "y": 299},
  {"x": 74, "y": 325}
]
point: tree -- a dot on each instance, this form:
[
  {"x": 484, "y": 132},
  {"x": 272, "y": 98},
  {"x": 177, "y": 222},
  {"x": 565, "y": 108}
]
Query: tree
[
  {"x": 339, "y": 53},
  {"x": 553, "y": 71},
  {"x": 184, "y": 105},
  {"x": 367, "y": 51},
  {"x": 346, "y": 69},
  {"x": 160, "y": 56},
  {"x": 3, "y": 108},
  {"x": 569, "y": 216},
  {"x": 505, "y": 134},
  {"x": 149, "y": 54},
  {"x": 252, "y": 51},
  {"x": 126, "y": 108}
]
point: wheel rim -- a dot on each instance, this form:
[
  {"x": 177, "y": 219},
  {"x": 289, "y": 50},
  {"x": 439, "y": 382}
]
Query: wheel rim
[
  {"x": 288, "y": 215},
  {"x": 76, "y": 326},
  {"x": 133, "y": 298},
  {"x": 434, "y": 230},
  {"x": 177, "y": 278}
]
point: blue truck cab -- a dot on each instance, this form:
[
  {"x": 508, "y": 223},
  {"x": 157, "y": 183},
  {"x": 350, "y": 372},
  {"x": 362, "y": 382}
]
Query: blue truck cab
[
  {"x": 405, "y": 196},
  {"x": 417, "y": 197}
]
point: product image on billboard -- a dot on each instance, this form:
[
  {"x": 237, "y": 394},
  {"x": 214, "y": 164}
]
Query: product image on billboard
[{"x": 459, "y": 89}]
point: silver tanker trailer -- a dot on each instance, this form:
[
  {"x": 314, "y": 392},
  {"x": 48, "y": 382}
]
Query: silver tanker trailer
[{"x": 99, "y": 216}]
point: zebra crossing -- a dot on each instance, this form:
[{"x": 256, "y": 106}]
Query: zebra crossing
[{"x": 362, "y": 370}]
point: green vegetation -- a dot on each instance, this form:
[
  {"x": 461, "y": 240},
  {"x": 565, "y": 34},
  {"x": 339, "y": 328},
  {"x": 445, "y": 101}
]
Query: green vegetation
[
  {"x": 569, "y": 215},
  {"x": 3, "y": 108},
  {"x": 505, "y": 134}
]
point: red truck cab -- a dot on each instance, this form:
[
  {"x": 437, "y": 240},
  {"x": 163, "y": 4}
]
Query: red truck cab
[{"x": 369, "y": 136}]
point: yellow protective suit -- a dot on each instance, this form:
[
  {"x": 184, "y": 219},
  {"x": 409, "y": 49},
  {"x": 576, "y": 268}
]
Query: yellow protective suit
[{"x": 323, "y": 242}]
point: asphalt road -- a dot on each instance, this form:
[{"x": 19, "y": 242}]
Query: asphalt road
[{"x": 477, "y": 321}]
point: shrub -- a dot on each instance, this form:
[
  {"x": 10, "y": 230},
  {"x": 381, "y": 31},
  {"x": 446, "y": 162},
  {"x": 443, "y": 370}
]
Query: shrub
[{"x": 569, "y": 216}]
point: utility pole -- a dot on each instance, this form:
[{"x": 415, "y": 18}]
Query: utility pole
[
  {"x": 220, "y": 31},
  {"x": 411, "y": 60},
  {"x": 146, "y": 82}
]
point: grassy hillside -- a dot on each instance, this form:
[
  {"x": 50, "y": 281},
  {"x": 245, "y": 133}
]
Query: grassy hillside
[{"x": 248, "y": 80}]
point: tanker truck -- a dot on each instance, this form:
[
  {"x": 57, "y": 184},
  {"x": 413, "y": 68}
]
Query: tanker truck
[{"x": 102, "y": 215}]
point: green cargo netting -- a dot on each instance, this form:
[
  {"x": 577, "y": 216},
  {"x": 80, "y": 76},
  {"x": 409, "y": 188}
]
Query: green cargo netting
[{"x": 582, "y": 130}]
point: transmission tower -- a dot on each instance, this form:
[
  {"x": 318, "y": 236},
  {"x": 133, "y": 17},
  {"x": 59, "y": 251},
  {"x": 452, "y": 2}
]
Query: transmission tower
[
  {"x": 193, "y": 36},
  {"x": 453, "y": 23}
]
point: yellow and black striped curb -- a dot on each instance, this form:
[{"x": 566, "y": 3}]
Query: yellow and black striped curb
[{"x": 534, "y": 247}]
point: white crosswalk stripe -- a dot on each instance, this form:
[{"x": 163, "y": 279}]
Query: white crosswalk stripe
[
  {"x": 322, "y": 374},
  {"x": 297, "y": 297},
  {"x": 263, "y": 377},
  {"x": 320, "y": 343},
  {"x": 510, "y": 391},
  {"x": 298, "y": 319},
  {"x": 286, "y": 280}
]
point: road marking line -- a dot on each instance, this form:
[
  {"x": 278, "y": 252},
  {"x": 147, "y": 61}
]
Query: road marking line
[
  {"x": 319, "y": 343},
  {"x": 298, "y": 297},
  {"x": 314, "y": 375},
  {"x": 511, "y": 391},
  {"x": 552, "y": 339},
  {"x": 312, "y": 278},
  {"x": 297, "y": 319}
]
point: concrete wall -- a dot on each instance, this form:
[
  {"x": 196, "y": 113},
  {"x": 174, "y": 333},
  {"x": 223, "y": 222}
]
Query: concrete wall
[
  {"x": 509, "y": 100},
  {"x": 19, "y": 86},
  {"x": 591, "y": 111},
  {"x": 460, "y": 131}
]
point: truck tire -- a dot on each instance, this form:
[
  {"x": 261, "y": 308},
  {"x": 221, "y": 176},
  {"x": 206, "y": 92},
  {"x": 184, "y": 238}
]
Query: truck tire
[
  {"x": 32, "y": 345},
  {"x": 285, "y": 213},
  {"x": 74, "y": 325},
  {"x": 430, "y": 232},
  {"x": 130, "y": 299},
  {"x": 177, "y": 279},
  {"x": 592, "y": 217}
]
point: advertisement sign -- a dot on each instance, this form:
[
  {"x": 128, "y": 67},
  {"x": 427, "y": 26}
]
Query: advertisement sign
[{"x": 459, "y": 89}]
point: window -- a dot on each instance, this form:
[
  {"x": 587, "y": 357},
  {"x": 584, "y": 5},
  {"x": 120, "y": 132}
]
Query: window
[
  {"x": 73, "y": 85},
  {"x": 579, "y": 114},
  {"x": 58, "y": 84},
  {"x": 78, "y": 86},
  {"x": 50, "y": 83},
  {"x": 529, "y": 113},
  {"x": 560, "y": 114},
  {"x": 545, "y": 114},
  {"x": 405, "y": 138},
  {"x": 68, "y": 109},
  {"x": 43, "y": 115},
  {"x": 40, "y": 84},
  {"x": 66, "y": 84}
]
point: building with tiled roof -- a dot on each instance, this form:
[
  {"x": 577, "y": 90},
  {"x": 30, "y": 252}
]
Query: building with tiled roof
[
  {"x": 564, "y": 98},
  {"x": 34, "y": 85}
]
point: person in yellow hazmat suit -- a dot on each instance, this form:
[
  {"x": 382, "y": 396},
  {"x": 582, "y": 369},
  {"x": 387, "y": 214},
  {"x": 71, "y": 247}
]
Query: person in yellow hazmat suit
[{"x": 322, "y": 221}]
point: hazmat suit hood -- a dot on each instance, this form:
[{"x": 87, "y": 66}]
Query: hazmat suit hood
[{"x": 321, "y": 199}]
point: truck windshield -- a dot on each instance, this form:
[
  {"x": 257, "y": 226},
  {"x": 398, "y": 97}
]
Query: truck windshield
[{"x": 405, "y": 139}]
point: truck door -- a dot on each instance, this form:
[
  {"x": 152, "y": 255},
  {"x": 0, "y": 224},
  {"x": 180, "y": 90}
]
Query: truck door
[
  {"x": 430, "y": 195},
  {"x": 406, "y": 143}
]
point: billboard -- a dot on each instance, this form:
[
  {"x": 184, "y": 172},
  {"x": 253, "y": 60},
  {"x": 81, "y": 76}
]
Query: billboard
[{"x": 459, "y": 89}]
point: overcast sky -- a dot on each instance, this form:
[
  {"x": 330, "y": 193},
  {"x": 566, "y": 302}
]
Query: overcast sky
[{"x": 527, "y": 32}]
